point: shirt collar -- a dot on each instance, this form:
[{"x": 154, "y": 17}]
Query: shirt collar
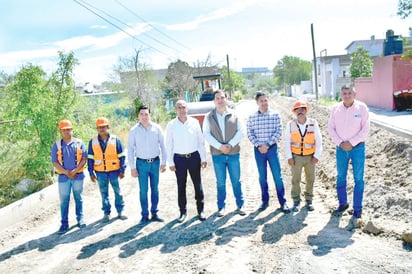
[
  {"x": 100, "y": 137},
  {"x": 141, "y": 126}
]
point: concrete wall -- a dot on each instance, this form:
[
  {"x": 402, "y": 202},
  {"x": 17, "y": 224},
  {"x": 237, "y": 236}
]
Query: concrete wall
[{"x": 390, "y": 74}]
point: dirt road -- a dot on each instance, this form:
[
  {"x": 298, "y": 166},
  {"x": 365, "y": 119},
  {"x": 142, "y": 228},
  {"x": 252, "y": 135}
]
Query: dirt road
[{"x": 266, "y": 242}]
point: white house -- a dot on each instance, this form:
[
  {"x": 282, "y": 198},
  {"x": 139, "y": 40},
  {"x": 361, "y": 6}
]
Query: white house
[{"x": 332, "y": 74}]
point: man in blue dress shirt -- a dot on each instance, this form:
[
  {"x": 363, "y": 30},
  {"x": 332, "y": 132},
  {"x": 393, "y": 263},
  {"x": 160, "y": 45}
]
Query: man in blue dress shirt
[{"x": 145, "y": 144}]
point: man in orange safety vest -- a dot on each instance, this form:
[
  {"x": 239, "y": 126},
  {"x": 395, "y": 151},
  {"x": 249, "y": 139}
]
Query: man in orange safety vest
[
  {"x": 303, "y": 149},
  {"x": 106, "y": 164}
]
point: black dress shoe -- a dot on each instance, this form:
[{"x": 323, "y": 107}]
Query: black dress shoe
[
  {"x": 340, "y": 209},
  {"x": 182, "y": 218},
  {"x": 263, "y": 206},
  {"x": 144, "y": 221},
  {"x": 202, "y": 216},
  {"x": 240, "y": 211},
  {"x": 285, "y": 208},
  {"x": 221, "y": 212},
  {"x": 156, "y": 218}
]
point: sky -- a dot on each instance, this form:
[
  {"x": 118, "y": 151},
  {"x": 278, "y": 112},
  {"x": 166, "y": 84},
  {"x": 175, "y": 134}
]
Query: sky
[{"x": 253, "y": 33}]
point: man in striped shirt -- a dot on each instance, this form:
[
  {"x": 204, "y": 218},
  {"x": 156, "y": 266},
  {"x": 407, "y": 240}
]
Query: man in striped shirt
[{"x": 264, "y": 129}]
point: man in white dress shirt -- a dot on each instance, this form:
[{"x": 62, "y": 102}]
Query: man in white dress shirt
[{"x": 186, "y": 152}]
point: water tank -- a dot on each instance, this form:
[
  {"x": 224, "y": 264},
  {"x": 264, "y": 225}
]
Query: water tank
[{"x": 393, "y": 44}]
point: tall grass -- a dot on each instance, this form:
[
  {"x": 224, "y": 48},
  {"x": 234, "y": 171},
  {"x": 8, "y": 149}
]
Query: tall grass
[{"x": 326, "y": 101}]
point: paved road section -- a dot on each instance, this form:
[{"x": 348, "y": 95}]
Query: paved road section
[{"x": 399, "y": 123}]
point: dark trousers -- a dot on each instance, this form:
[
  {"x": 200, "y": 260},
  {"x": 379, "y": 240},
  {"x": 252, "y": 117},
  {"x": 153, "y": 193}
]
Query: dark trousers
[{"x": 192, "y": 164}]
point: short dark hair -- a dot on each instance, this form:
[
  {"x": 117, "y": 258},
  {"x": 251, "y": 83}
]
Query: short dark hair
[
  {"x": 259, "y": 94},
  {"x": 219, "y": 91},
  {"x": 143, "y": 107}
]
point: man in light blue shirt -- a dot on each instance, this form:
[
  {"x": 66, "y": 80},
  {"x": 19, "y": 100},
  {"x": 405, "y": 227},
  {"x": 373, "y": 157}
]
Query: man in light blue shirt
[{"x": 145, "y": 145}]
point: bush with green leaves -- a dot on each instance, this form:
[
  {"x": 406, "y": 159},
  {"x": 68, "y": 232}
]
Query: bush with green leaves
[{"x": 33, "y": 104}]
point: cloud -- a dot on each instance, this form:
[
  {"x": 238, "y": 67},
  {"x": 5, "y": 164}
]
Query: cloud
[
  {"x": 86, "y": 43},
  {"x": 98, "y": 27},
  {"x": 16, "y": 58},
  {"x": 236, "y": 7},
  {"x": 104, "y": 42}
]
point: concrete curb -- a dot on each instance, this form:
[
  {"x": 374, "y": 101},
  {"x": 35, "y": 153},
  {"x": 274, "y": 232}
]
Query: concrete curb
[
  {"x": 396, "y": 130},
  {"x": 23, "y": 208}
]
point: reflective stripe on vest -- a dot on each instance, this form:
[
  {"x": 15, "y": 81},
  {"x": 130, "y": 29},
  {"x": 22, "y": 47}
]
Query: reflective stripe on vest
[
  {"x": 302, "y": 144},
  {"x": 109, "y": 159},
  {"x": 79, "y": 153}
]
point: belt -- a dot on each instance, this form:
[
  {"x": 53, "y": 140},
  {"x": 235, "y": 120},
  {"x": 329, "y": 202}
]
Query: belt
[
  {"x": 149, "y": 160},
  {"x": 188, "y": 155}
]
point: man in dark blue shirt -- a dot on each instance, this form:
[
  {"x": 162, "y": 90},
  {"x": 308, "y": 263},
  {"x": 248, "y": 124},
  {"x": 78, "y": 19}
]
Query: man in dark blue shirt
[
  {"x": 106, "y": 163},
  {"x": 69, "y": 157}
]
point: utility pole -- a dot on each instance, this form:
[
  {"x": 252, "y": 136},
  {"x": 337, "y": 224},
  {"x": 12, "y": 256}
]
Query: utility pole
[
  {"x": 228, "y": 76},
  {"x": 314, "y": 62}
]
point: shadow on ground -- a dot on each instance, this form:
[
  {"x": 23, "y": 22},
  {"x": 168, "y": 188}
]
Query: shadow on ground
[
  {"x": 175, "y": 235},
  {"x": 286, "y": 224},
  {"x": 53, "y": 240},
  {"x": 330, "y": 237}
]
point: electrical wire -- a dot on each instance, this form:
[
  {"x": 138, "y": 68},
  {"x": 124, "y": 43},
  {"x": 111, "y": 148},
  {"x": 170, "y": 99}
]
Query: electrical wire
[
  {"x": 83, "y": 4},
  {"x": 127, "y": 25},
  {"x": 154, "y": 27}
]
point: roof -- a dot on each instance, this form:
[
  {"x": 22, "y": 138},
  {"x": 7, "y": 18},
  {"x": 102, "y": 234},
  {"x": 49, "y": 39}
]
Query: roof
[
  {"x": 209, "y": 76},
  {"x": 373, "y": 46}
]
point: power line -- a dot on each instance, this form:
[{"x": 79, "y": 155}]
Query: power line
[
  {"x": 127, "y": 25},
  {"x": 116, "y": 26},
  {"x": 154, "y": 27}
]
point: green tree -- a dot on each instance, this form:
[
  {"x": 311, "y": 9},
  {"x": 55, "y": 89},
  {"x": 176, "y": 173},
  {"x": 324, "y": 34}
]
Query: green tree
[
  {"x": 362, "y": 64},
  {"x": 404, "y": 8},
  {"x": 237, "y": 82},
  {"x": 266, "y": 84},
  {"x": 36, "y": 103},
  {"x": 292, "y": 70}
]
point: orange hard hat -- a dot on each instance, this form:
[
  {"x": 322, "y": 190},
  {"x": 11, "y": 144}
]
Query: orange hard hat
[
  {"x": 300, "y": 104},
  {"x": 65, "y": 124},
  {"x": 102, "y": 121}
]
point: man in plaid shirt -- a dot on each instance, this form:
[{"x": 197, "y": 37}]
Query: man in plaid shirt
[{"x": 264, "y": 129}]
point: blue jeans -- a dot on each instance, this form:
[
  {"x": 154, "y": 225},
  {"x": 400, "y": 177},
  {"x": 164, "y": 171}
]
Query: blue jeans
[
  {"x": 64, "y": 194},
  {"x": 357, "y": 155},
  {"x": 148, "y": 171},
  {"x": 103, "y": 178},
  {"x": 232, "y": 164},
  {"x": 261, "y": 161}
]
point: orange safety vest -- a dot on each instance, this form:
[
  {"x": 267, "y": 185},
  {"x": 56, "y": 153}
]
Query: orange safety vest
[
  {"x": 302, "y": 144},
  {"x": 79, "y": 153},
  {"x": 109, "y": 159}
]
